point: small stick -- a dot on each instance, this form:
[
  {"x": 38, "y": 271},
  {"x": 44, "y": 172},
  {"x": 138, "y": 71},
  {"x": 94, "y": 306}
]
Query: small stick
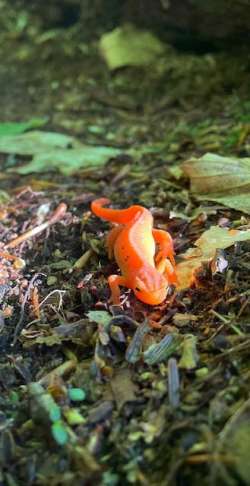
[
  {"x": 35, "y": 303},
  {"x": 7, "y": 256},
  {"x": 56, "y": 216}
]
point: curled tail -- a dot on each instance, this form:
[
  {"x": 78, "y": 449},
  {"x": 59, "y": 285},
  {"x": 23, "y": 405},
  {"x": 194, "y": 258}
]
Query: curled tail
[{"x": 120, "y": 216}]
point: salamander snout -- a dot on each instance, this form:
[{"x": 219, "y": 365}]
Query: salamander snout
[{"x": 151, "y": 289}]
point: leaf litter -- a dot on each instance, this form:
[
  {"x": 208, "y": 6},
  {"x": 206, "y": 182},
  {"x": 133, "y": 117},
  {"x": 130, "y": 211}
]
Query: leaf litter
[{"x": 172, "y": 419}]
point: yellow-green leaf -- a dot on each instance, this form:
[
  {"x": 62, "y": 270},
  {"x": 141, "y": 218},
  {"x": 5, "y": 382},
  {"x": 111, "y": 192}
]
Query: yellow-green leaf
[{"x": 129, "y": 46}]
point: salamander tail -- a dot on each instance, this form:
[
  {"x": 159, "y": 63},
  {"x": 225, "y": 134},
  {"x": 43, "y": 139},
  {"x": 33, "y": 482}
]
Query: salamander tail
[{"x": 120, "y": 216}]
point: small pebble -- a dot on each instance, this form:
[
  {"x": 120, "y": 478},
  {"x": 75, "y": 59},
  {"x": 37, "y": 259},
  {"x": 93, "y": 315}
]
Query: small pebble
[{"x": 77, "y": 394}]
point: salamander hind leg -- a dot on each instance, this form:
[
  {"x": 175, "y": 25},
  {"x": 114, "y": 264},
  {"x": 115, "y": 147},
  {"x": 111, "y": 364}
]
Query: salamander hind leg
[
  {"x": 166, "y": 248},
  {"x": 114, "y": 282}
]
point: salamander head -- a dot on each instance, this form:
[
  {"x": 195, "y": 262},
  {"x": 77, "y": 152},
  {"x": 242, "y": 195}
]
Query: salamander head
[{"x": 150, "y": 287}]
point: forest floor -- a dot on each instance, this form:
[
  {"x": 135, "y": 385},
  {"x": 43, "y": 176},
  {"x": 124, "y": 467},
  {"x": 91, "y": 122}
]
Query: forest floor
[{"x": 82, "y": 401}]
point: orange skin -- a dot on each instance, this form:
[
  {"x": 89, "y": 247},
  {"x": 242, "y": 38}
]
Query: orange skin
[{"x": 132, "y": 242}]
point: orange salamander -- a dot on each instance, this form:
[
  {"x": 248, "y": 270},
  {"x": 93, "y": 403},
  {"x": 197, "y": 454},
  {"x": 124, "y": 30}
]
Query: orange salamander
[{"x": 132, "y": 242}]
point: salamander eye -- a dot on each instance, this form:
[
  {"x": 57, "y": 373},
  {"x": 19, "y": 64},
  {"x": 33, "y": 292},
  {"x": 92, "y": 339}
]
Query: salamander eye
[{"x": 137, "y": 289}]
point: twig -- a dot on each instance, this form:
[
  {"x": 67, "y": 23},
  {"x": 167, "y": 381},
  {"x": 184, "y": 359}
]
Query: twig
[
  {"x": 35, "y": 303},
  {"x": 228, "y": 322},
  {"x": 219, "y": 316},
  {"x": 56, "y": 216},
  {"x": 236, "y": 349},
  {"x": 244, "y": 305},
  {"x": 7, "y": 256}
]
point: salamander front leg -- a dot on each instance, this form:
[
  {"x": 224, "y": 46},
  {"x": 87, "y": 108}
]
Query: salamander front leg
[
  {"x": 114, "y": 282},
  {"x": 166, "y": 268}
]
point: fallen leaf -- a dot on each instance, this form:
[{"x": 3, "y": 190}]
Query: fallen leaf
[
  {"x": 36, "y": 142},
  {"x": 225, "y": 180},
  {"x": 189, "y": 357},
  {"x": 100, "y": 317},
  {"x": 4, "y": 197},
  {"x": 134, "y": 348},
  {"x": 15, "y": 128},
  {"x": 234, "y": 441},
  {"x": 211, "y": 240},
  {"x": 54, "y": 151},
  {"x": 161, "y": 351},
  {"x": 129, "y": 46},
  {"x": 69, "y": 161},
  {"x": 184, "y": 318},
  {"x": 123, "y": 387}
]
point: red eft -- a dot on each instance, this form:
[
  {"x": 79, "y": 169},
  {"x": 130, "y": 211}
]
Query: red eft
[{"x": 132, "y": 242}]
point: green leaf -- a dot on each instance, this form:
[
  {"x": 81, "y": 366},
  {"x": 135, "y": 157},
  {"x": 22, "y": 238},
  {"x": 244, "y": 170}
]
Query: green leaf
[
  {"x": 15, "y": 128},
  {"x": 69, "y": 161},
  {"x": 50, "y": 340},
  {"x": 225, "y": 180},
  {"x": 4, "y": 197},
  {"x": 128, "y": 46},
  {"x": 59, "y": 433},
  {"x": 110, "y": 479},
  {"x": 54, "y": 151},
  {"x": 36, "y": 142},
  {"x": 77, "y": 394},
  {"x": 100, "y": 317}
]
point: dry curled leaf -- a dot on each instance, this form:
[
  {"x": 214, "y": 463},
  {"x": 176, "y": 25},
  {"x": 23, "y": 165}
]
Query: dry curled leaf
[
  {"x": 206, "y": 246},
  {"x": 225, "y": 180}
]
